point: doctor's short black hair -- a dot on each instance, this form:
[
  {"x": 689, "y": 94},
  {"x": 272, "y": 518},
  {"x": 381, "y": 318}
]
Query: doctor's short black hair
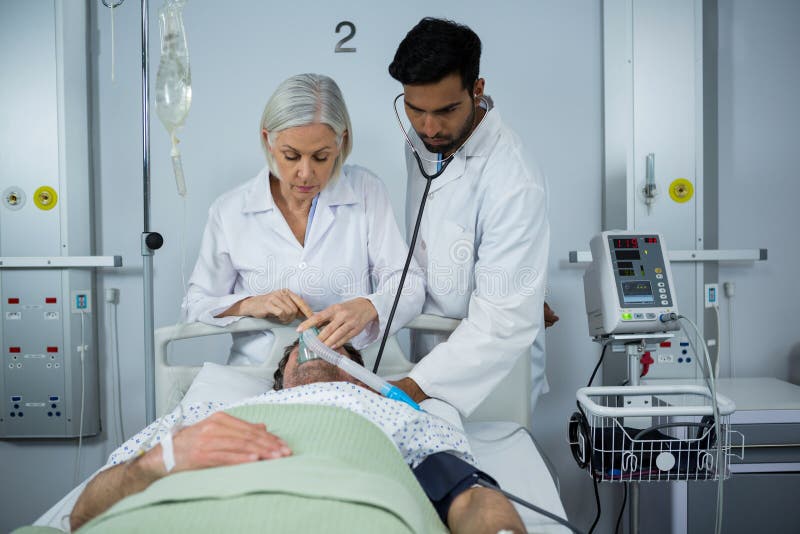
[
  {"x": 352, "y": 353},
  {"x": 434, "y": 49}
]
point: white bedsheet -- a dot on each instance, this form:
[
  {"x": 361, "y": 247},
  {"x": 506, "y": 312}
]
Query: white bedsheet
[{"x": 507, "y": 452}]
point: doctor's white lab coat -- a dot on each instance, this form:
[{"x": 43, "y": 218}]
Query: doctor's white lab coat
[
  {"x": 483, "y": 245},
  {"x": 354, "y": 249}
]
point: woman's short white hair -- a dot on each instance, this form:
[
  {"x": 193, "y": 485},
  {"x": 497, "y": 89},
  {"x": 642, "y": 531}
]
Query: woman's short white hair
[{"x": 307, "y": 99}]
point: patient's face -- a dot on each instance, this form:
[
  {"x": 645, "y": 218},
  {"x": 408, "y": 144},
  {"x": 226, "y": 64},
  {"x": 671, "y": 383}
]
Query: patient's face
[{"x": 313, "y": 371}]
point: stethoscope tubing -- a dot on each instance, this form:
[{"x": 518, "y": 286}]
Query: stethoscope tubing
[{"x": 428, "y": 179}]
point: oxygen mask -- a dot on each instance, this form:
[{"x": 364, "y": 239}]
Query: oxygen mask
[{"x": 304, "y": 353}]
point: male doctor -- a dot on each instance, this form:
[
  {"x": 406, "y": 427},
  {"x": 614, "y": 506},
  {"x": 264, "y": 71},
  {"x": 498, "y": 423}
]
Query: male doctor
[{"x": 484, "y": 236}]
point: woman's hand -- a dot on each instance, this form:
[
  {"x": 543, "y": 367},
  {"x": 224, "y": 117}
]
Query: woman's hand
[
  {"x": 282, "y": 304},
  {"x": 344, "y": 321}
]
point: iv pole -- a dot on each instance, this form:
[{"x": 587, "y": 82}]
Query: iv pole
[{"x": 151, "y": 241}]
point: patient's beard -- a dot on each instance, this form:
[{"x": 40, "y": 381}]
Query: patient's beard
[{"x": 318, "y": 371}]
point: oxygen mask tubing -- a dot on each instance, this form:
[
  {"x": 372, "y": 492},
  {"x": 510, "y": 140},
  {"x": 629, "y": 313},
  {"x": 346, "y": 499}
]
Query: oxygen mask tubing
[{"x": 311, "y": 344}]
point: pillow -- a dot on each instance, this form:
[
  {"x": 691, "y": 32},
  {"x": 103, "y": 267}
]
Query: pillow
[{"x": 224, "y": 383}]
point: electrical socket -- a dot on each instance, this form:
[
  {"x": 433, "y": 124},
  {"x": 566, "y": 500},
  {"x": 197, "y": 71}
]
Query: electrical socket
[
  {"x": 81, "y": 301},
  {"x": 711, "y": 295}
]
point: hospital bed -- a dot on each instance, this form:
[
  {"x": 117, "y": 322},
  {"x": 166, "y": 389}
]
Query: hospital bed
[{"x": 497, "y": 430}]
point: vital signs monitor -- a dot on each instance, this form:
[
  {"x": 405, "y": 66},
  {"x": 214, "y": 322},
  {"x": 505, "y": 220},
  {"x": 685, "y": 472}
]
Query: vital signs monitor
[{"x": 628, "y": 287}]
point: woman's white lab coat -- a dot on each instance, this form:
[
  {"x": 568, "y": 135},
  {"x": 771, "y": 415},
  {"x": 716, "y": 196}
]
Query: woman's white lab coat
[
  {"x": 483, "y": 244},
  {"x": 354, "y": 249}
]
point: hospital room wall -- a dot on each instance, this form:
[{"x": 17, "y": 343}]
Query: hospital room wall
[{"x": 759, "y": 129}]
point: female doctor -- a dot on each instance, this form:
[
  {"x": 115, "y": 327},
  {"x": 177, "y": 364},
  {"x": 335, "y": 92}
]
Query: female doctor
[{"x": 307, "y": 233}]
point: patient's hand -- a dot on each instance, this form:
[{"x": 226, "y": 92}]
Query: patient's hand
[{"x": 222, "y": 439}]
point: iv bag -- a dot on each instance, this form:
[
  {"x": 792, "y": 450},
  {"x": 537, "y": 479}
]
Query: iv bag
[{"x": 173, "y": 80}]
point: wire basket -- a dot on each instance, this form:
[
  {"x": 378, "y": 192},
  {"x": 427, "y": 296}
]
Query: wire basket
[{"x": 652, "y": 433}]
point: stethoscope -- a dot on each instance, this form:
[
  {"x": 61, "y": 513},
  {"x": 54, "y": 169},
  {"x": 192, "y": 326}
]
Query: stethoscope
[
  {"x": 441, "y": 164},
  {"x": 429, "y": 178}
]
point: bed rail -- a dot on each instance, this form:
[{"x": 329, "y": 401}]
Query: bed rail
[{"x": 509, "y": 402}]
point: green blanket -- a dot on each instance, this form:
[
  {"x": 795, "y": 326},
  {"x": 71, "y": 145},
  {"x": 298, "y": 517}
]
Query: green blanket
[{"x": 345, "y": 475}]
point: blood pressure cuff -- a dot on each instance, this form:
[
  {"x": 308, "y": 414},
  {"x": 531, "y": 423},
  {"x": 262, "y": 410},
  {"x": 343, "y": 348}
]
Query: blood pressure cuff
[{"x": 444, "y": 477}]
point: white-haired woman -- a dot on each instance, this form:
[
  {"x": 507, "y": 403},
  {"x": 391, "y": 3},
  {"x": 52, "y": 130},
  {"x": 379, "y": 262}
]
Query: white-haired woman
[{"x": 307, "y": 233}]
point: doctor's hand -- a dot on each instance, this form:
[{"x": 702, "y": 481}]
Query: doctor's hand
[
  {"x": 343, "y": 321},
  {"x": 282, "y": 304},
  {"x": 218, "y": 440},
  {"x": 550, "y": 317},
  {"x": 411, "y": 388}
]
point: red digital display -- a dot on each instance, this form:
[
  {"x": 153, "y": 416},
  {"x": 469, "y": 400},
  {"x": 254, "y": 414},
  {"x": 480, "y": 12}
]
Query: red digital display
[
  {"x": 626, "y": 243},
  {"x": 651, "y": 240}
]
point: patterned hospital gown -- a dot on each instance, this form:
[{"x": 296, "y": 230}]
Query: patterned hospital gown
[{"x": 415, "y": 434}]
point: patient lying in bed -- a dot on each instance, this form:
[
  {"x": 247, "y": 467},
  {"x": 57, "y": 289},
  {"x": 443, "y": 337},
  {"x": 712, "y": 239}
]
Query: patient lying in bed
[{"x": 313, "y": 454}]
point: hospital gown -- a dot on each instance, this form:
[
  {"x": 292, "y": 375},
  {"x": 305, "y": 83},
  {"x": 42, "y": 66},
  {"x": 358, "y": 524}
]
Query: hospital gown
[{"x": 415, "y": 434}]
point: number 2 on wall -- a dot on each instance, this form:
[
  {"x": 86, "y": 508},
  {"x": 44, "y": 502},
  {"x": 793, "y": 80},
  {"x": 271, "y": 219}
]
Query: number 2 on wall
[{"x": 343, "y": 40}]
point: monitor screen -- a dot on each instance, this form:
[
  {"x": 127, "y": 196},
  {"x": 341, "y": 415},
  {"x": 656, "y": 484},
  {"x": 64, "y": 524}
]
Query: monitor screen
[{"x": 637, "y": 292}]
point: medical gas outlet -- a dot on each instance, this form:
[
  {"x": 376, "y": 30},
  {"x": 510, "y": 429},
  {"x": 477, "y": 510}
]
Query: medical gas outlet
[
  {"x": 14, "y": 198},
  {"x": 45, "y": 198}
]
